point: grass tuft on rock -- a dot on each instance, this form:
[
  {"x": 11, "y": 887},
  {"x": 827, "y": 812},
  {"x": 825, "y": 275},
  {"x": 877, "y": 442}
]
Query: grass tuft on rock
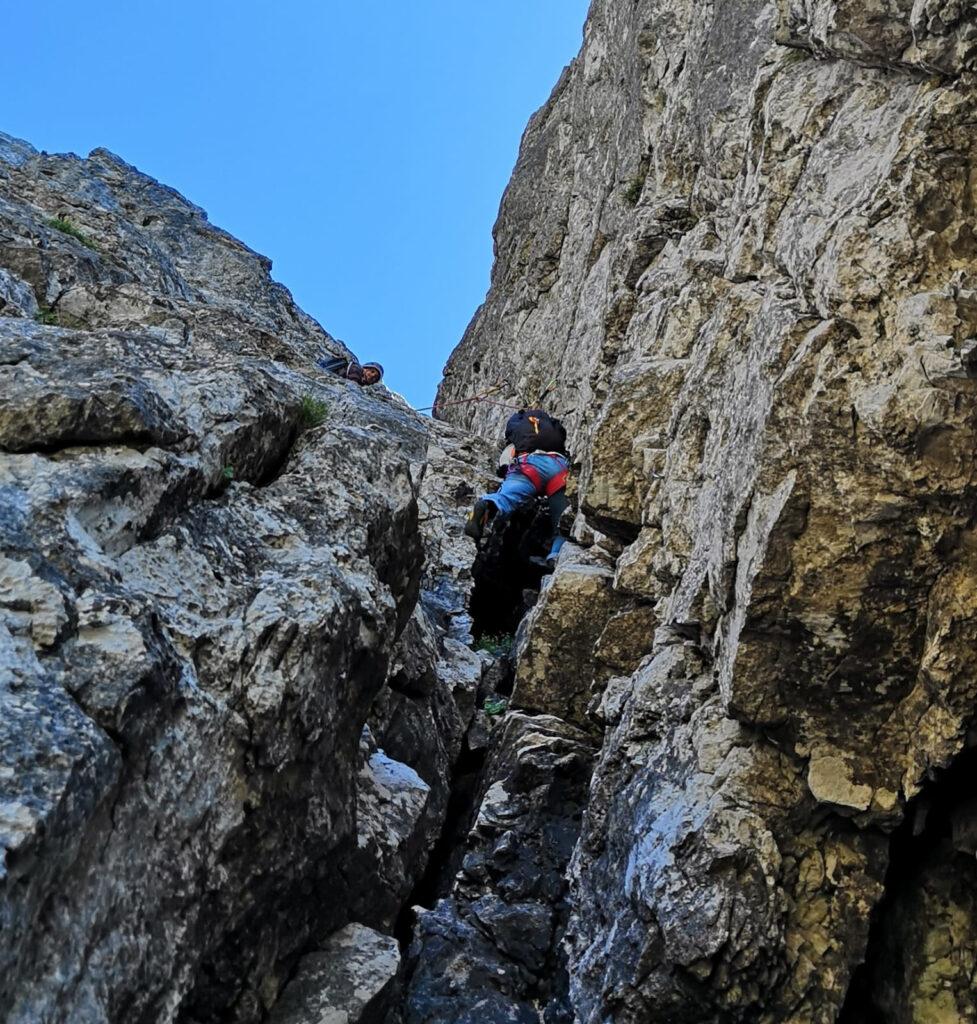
[
  {"x": 495, "y": 707},
  {"x": 633, "y": 189},
  {"x": 66, "y": 227},
  {"x": 312, "y": 411},
  {"x": 498, "y": 646},
  {"x": 51, "y": 317}
]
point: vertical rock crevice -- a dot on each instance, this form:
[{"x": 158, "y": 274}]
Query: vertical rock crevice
[
  {"x": 490, "y": 949},
  {"x": 921, "y": 959},
  {"x": 504, "y": 580}
]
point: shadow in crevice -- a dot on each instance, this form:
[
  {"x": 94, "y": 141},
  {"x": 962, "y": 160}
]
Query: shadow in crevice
[
  {"x": 506, "y": 582},
  {"x": 938, "y": 837},
  {"x": 449, "y": 848}
]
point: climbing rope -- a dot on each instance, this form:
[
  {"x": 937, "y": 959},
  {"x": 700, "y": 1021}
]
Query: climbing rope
[
  {"x": 480, "y": 398},
  {"x": 545, "y": 392},
  {"x": 483, "y": 398}
]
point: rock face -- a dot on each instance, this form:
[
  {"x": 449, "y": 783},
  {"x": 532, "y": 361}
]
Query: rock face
[
  {"x": 740, "y": 237},
  {"x": 557, "y": 658},
  {"x": 490, "y": 952},
  {"x": 238, "y": 684},
  {"x": 214, "y": 556},
  {"x": 349, "y": 981}
]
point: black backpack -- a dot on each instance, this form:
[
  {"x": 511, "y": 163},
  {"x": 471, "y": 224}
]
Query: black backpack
[{"x": 532, "y": 429}]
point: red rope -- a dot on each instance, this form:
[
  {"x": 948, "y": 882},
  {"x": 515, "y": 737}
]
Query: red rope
[{"x": 480, "y": 397}]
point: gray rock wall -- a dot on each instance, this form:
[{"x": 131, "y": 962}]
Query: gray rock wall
[
  {"x": 490, "y": 952},
  {"x": 213, "y": 557},
  {"x": 738, "y": 257},
  {"x": 738, "y": 254}
]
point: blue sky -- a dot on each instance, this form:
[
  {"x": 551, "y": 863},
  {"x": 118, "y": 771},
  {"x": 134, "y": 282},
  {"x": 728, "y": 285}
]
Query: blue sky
[{"x": 362, "y": 146}]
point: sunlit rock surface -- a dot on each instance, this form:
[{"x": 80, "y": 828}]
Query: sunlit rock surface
[
  {"x": 739, "y": 247},
  {"x": 214, "y": 555},
  {"x": 248, "y": 767},
  {"x": 556, "y": 664}
]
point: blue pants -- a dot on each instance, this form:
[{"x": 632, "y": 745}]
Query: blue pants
[{"x": 518, "y": 490}]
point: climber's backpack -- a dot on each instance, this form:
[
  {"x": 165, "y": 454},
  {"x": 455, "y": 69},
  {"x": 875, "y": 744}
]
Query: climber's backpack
[{"x": 531, "y": 430}]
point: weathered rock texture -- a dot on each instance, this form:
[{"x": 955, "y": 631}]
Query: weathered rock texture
[
  {"x": 739, "y": 253},
  {"x": 741, "y": 236},
  {"x": 923, "y": 942},
  {"x": 490, "y": 952},
  {"x": 212, "y": 559},
  {"x": 349, "y": 981}
]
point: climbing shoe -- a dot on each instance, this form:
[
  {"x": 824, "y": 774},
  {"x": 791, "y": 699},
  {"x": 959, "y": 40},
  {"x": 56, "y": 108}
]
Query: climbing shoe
[{"x": 479, "y": 518}]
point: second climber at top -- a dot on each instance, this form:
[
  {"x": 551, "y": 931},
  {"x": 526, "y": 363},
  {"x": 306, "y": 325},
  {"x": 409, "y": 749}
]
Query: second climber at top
[{"x": 534, "y": 463}]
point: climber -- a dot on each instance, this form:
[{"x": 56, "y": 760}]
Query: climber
[
  {"x": 534, "y": 463},
  {"x": 350, "y": 369}
]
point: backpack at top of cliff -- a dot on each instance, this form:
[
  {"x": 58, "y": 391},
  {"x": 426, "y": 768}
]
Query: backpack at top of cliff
[{"x": 530, "y": 430}]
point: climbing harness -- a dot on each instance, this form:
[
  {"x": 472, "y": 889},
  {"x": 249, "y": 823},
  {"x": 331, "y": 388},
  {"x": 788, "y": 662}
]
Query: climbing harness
[{"x": 556, "y": 483}]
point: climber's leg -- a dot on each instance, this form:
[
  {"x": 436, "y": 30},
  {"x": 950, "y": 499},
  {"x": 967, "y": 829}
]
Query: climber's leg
[
  {"x": 557, "y": 505},
  {"x": 516, "y": 491}
]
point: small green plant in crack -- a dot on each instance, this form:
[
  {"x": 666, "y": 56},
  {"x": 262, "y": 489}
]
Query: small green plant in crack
[
  {"x": 51, "y": 317},
  {"x": 227, "y": 474},
  {"x": 795, "y": 56},
  {"x": 498, "y": 706},
  {"x": 496, "y": 645},
  {"x": 633, "y": 188},
  {"x": 312, "y": 411},
  {"x": 66, "y": 227}
]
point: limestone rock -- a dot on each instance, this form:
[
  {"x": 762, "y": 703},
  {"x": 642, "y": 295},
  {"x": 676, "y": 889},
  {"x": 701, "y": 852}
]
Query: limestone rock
[
  {"x": 489, "y": 953},
  {"x": 391, "y": 801},
  {"x": 555, "y": 663},
  {"x": 690, "y": 893},
  {"x": 211, "y": 554},
  {"x": 830, "y": 782},
  {"x": 740, "y": 237},
  {"x": 16, "y": 296},
  {"x": 625, "y": 638},
  {"x": 426, "y": 734},
  {"x": 925, "y": 35},
  {"x": 349, "y": 981},
  {"x": 926, "y": 962}
]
